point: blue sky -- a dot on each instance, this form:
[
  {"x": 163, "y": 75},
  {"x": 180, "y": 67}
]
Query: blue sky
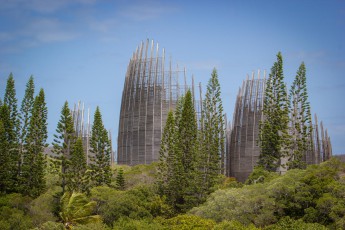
[{"x": 80, "y": 49}]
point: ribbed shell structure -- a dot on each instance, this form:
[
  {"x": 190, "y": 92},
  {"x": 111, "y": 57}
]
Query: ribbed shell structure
[
  {"x": 150, "y": 91},
  {"x": 243, "y": 147}
]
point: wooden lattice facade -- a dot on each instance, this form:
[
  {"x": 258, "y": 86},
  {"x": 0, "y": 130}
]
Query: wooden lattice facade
[{"x": 150, "y": 91}]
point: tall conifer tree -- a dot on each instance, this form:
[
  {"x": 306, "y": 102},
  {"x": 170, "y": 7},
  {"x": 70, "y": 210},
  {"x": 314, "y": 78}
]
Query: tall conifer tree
[
  {"x": 170, "y": 166},
  {"x": 274, "y": 136},
  {"x": 187, "y": 154},
  {"x": 77, "y": 178},
  {"x": 100, "y": 148},
  {"x": 178, "y": 166},
  {"x": 26, "y": 108},
  {"x": 13, "y": 134},
  {"x": 120, "y": 180},
  {"x": 6, "y": 163},
  {"x": 300, "y": 120},
  {"x": 63, "y": 142},
  {"x": 212, "y": 135},
  {"x": 25, "y": 116},
  {"x": 33, "y": 161}
]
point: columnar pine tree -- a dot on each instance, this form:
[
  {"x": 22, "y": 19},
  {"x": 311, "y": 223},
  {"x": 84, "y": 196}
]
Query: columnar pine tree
[
  {"x": 178, "y": 168},
  {"x": 77, "y": 178},
  {"x": 212, "y": 135},
  {"x": 187, "y": 154},
  {"x": 120, "y": 180},
  {"x": 100, "y": 148},
  {"x": 33, "y": 161},
  {"x": 274, "y": 136},
  {"x": 63, "y": 142},
  {"x": 170, "y": 166},
  {"x": 13, "y": 134},
  {"x": 25, "y": 115},
  {"x": 26, "y": 109},
  {"x": 6, "y": 162},
  {"x": 300, "y": 120}
]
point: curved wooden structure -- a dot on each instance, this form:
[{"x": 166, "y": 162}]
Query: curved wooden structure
[{"x": 150, "y": 90}]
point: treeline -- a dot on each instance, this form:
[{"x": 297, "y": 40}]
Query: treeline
[
  {"x": 23, "y": 136},
  {"x": 302, "y": 199}
]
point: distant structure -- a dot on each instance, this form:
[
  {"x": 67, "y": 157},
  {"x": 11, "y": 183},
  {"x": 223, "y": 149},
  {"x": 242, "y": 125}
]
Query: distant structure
[
  {"x": 242, "y": 147},
  {"x": 150, "y": 90},
  {"x": 243, "y": 150},
  {"x": 82, "y": 129}
]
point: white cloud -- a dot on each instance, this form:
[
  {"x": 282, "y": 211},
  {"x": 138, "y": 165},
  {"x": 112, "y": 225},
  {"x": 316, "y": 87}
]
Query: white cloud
[
  {"x": 104, "y": 26},
  {"x": 42, "y": 6},
  {"x": 204, "y": 65},
  {"x": 146, "y": 10}
]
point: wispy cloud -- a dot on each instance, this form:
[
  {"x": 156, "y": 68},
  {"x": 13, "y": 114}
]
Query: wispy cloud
[
  {"x": 311, "y": 56},
  {"x": 204, "y": 65},
  {"x": 104, "y": 26},
  {"x": 146, "y": 10},
  {"x": 42, "y": 6},
  {"x": 49, "y": 30}
]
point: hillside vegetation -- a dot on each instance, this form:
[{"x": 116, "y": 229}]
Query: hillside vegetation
[{"x": 301, "y": 199}]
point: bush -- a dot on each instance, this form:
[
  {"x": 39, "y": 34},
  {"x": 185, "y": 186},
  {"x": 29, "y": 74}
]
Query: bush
[
  {"x": 50, "y": 225},
  {"x": 41, "y": 210},
  {"x": 12, "y": 218},
  {"x": 125, "y": 223},
  {"x": 247, "y": 205},
  {"x": 91, "y": 226},
  {"x": 234, "y": 225},
  {"x": 186, "y": 222},
  {"x": 286, "y": 223}
]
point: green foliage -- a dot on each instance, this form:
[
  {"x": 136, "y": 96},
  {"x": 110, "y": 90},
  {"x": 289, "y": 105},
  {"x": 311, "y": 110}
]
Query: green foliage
[
  {"x": 100, "y": 147},
  {"x": 260, "y": 175},
  {"x": 314, "y": 195},
  {"x": 63, "y": 143},
  {"x": 6, "y": 180},
  {"x": 50, "y": 225},
  {"x": 211, "y": 160},
  {"x": 33, "y": 167},
  {"x": 26, "y": 111},
  {"x": 124, "y": 205},
  {"x": 287, "y": 223},
  {"x": 274, "y": 136},
  {"x": 125, "y": 223},
  {"x": 13, "y": 209},
  {"x": 120, "y": 180},
  {"x": 227, "y": 182},
  {"x": 12, "y": 218},
  {"x": 77, "y": 176},
  {"x": 234, "y": 225},
  {"x": 300, "y": 120},
  {"x": 11, "y": 123},
  {"x": 249, "y": 204},
  {"x": 187, "y": 221},
  {"x": 77, "y": 209},
  {"x": 139, "y": 174},
  {"x": 178, "y": 168},
  {"x": 136, "y": 203},
  {"x": 41, "y": 209},
  {"x": 92, "y": 226}
]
